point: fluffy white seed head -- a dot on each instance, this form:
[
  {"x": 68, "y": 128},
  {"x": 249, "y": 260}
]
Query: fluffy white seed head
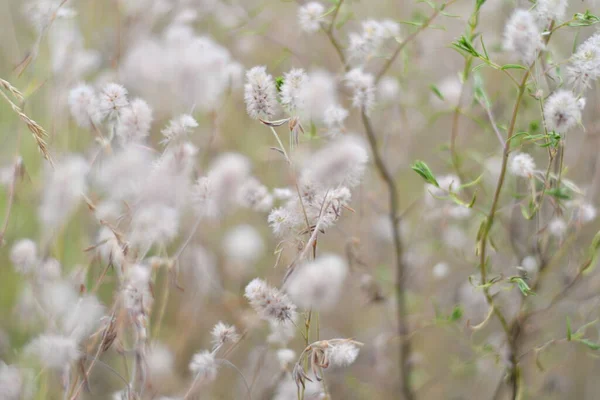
[
  {"x": 23, "y": 256},
  {"x": 204, "y": 366},
  {"x": 342, "y": 354},
  {"x": 362, "y": 86},
  {"x": 53, "y": 351},
  {"x": 179, "y": 128},
  {"x": 134, "y": 122},
  {"x": 341, "y": 162},
  {"x": 318, "y": 284},
  {"x": 441, "y": 270},
  {"x": 333, "y": 119},
  {"x": 82, "y": 319},
  {"x": 388, "y": 89},
  {"x": 584, "y": 67},
  {"x": 294, "y": 91},
  {"x": 548, "y": 10},
  {"x": 260, "y": 94},
  {"x": 83, "y": 104},
  {"x": 286, "y": 358},
  {"x": 12, "y": 382},
  {"x": 64, "y": 186},
  {"x": 309, "y": 16},
  {"x": 160, "y": 361},
  {"x": 269, "y": 302},
  {"x": 223, "y": 333},
  {"x": 366, "y": 44},
  {"x": 557, "y": 227},
  {"x": 112, "y": 99},
  {"x": 562, "y": 111},
  {"x": 254, "y": 195},
  {"x": 522, "y": 164},
  {"x": 522, "y": 36},
  {"x": 154, "y": 224}
]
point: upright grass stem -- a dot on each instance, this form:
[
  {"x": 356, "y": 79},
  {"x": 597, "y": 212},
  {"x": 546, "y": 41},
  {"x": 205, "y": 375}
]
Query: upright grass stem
[{"x": 400, "y": 280}]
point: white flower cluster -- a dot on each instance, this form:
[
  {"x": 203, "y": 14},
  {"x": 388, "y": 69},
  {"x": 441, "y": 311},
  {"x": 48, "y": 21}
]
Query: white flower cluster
[
  {"x": 366, "y": 44},
  {"x": 522, "y": 36}
]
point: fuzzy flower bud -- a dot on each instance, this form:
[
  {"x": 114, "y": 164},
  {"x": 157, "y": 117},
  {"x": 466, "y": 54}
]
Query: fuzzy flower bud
[
  {"x": 83, "y": 105},
  {"x": 23, "y": 255},
  {"x": 112, "y": 100},
  {"x": 522, "y": 165},
  {"x": 585, "y": 64},
  {"x": 134, "y": 122},
  {"x": 179, "y": 128},
  {"x": 260, "y": 94},
  {"x": 309, "y": 16},
  {"x": 362, "y": 86},
  {"x": 53, "y": 351},
  {"x": 333, "y": 119},
  {"x": 293, "y": 91},
  {"x": 204, "y": 366},
  {"x": 222, "y": 333},
  {"x": 522, "y": 36},
  {"x": 562, "y": 111},
  {"x": 269, "y": 302}
]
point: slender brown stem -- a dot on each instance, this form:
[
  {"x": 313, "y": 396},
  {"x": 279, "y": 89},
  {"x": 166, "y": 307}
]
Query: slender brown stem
[{"x": 400, "y": 282}]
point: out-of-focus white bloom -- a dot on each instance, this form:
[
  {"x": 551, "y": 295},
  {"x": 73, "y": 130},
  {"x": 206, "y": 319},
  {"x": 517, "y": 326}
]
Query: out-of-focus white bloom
[
  {"x": 219, "y": 191},
  {"x": 451, "y": 89},
  {"x": 294, "y": 91},
  {"x": 134, "y": 122},
  {"x": 522, "y": 164},
  {"x": 41, "y": 12},
  {"x": 63, "y": 189},
  {"x": 282, "y": 332},
  {"x": 454, "y": 237},
  {"x": 179, "y": 128},
  {"x": 318, "y": 284},
  {"x": 23, "y": 256},
  {"x": 390, "y": 29},
  {"x": 441, "y": 270},
  {"x": 583, "y": 212},
  {"x": 109, "y": 248},
  {"x": 201, "y": 273},
  {"x": 363, "y": 89},
  {"x": 57, "y": 298},
  {"x": 562, "y": 111},
  {"x": 585, "y": 64},
  {"x": 269, "y": 302},
  {"x": 557, "y": 227},
  {"x": 365, "y": 45},
  {"x": 243, "y": 244},
  {"x": 137, "y": 297},
  {"x": 281, "y": 220},
  {"x": 522, "y": 36},
  {"x": 160, "y": 361},
  {"x": 11, "y": 382},
  {"x": 342, "y": 354},
  {"x": 83, "y": 105},
  {"x": 286, "y": 357},
  {"x": 287, "y": 390},
  {"x": 283, "y": 193},
  {"x": 548, "y": 10},
  {"x": 341, "y": 162},
  {"x": 388, "y": 89},
  {"x": 334, "y": 118},
  {"x": 222, "y": 333},
  {"x": 309, "y": 16},
  {"x": 112, "y": 99},
  {"x": 49, "y": 270},
  {"x": 83, "y": 318},
  {"x": 254, "y": 195},
  {"x": 321, "y": 93},
  {"x": 53, "y": 351},
  {"x": 260, "y": 94},
  {"x": 154, "y": 223},
  {"x": 120, "y": 175},
  {"x": 531, "y": 265},
  {"x": 204, "y": 366}
]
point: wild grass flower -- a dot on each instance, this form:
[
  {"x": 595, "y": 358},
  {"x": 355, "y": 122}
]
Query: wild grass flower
[
  {"x": 309, "y": 16},
  {"x": 204, "y": 366},
  {"x": 269, "y": 302},
  {"x": 522, "y": 36},
  {"x": 54, "y": 351},
  {"x": 260, "y": 94},
  {"x": 362, "y": 86},
  {"x": 23, "y": 256},
  {"x": 562, "y": 111},
  {"x": 522, "y": 164},
  {"x": 134, "y": 122}
]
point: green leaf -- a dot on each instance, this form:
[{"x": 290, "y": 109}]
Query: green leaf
[
  {"x": 457, "y": 314},
  {"x": 512, "y": 66},
  {"x": 522, "y": 285},
  {"x": 561, "y": 193},
  {"x": 436, "y": 91},
  {"x": 464, "y": 45},
  {"x": 569, "y": 331},
  {"x": 590, "y": 344},
  {"x": 279, "y": 82},
  {"x": 585, "y": 19},
  {"x": 479, "y": 91},
  {"x": 422, "y": 169}
]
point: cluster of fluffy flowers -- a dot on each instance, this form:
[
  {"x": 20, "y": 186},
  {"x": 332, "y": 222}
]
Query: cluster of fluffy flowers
[
  {"x": 584, "y": 65},
  {"x": 365, "y": 45},
  {"x": 523, "y": 37},
  {"x": 323, "y": 188}
]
